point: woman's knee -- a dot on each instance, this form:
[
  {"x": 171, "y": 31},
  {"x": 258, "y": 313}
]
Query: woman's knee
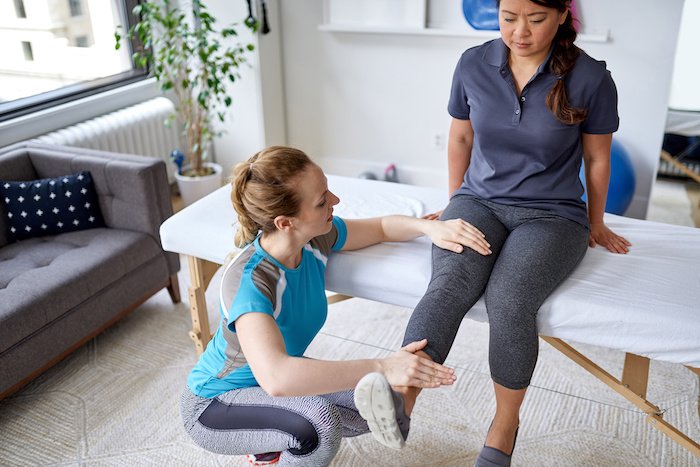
[
  {"x": 318, "y": 440},
  {"x": 511, "y": 306},
  {"x": 324, "y": 424}
]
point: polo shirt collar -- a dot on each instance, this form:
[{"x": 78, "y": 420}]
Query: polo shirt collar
[{"x": 496, "y": 54}]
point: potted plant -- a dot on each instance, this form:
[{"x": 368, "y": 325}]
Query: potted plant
[{"x": 184, "y": 53}]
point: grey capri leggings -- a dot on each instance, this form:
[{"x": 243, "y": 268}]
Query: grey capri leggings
[
  {"x": 306, "y": 430},
  {"x": 533, "y": 252}
]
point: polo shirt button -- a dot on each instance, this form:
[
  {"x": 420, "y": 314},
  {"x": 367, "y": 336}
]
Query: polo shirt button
[
  {"x": 522, "y": 99},
  {"x": 517, "y": 111}
]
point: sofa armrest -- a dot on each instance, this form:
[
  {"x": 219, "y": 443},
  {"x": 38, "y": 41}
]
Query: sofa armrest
[{"x": 133, "y": 191}]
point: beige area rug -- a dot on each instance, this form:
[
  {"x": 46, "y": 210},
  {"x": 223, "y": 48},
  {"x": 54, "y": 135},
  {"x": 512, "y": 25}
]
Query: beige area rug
[{"x": 114, "y": 402}]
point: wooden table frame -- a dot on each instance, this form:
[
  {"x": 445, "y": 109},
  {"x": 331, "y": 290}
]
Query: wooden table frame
[
  {"x": 680, "y": 166},
  {"x": 632, "y": 386}
]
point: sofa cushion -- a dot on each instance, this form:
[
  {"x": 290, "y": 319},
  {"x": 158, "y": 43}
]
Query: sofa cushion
[
  {"x": 15, "y": 164},
  {"x": 43, "y": 278},
  {"x": 50, "y": 206}
]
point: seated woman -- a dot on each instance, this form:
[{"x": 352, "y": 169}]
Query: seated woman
[
  {"x": 526, "y": 109},
  {"x": 252, "y": 391}
]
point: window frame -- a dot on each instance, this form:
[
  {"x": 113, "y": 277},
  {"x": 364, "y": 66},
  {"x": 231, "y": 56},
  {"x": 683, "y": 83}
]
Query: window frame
[{"x": 30, "y": 104}]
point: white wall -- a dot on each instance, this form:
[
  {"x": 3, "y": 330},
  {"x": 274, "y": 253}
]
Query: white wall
[
  {"x": 358, "y": 101},
  {"x": 256, "y": 117},
  {"x": 685, "y": 91}
]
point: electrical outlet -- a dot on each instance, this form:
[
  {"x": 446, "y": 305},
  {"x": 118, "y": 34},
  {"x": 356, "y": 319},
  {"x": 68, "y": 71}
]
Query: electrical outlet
[{"x": 438, "y": 140}]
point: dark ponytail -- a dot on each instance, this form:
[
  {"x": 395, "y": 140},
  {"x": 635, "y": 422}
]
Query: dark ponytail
[{"x": 562, "y": 61}]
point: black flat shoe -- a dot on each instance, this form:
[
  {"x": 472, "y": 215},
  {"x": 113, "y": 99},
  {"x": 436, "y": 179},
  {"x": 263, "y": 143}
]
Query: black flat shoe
[{"x": 492, "y": 457}]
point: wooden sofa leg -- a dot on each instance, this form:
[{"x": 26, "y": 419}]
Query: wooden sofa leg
[{"x": 174, "y": 289}]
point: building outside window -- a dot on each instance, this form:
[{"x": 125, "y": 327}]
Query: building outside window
[{"x": 60, "y": 56}]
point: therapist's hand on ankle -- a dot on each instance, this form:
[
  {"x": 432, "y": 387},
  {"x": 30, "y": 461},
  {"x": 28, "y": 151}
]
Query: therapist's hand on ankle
[
  {"x": 455, "y": 234},
  {"x": 404, "y": 368}
]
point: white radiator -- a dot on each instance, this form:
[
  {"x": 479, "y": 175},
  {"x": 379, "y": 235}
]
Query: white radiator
[{"x": 138, "y": 129}]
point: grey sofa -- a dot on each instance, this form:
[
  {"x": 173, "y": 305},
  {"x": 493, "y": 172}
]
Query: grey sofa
[{"x": 57, "y": 292}]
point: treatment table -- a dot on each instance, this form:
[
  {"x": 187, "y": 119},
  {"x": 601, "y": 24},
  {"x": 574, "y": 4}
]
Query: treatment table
[{"x": 645, "y": 303}]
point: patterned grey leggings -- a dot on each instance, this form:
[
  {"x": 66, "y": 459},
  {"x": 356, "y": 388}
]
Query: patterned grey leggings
[
  {"x": 533, "y": 252},
  {"x": 307, "y": 430}
]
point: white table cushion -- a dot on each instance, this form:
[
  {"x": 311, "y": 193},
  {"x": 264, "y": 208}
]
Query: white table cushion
[{"x": 646, "y": 302}]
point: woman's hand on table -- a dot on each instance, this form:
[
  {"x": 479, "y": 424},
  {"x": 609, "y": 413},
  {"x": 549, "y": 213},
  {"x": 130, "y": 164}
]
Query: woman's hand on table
[{"x": 601, "y": 235}]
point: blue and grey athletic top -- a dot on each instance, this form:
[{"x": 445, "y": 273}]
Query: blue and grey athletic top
[{"x": 256, "y": 282}]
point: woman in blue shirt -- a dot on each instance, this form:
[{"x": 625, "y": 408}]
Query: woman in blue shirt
[
  {"x": 252, "y": 391},
  {"x": 526, "y": 109}
]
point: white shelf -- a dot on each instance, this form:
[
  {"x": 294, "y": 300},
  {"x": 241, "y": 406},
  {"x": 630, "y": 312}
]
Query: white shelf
[{"x": 602, "y": 37}]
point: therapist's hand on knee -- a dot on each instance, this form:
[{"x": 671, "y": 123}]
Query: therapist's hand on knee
[
  {"x": 404, "y": 368},
  {"x": 433, "y": 216},
  {"x": 455, "y": 234}
]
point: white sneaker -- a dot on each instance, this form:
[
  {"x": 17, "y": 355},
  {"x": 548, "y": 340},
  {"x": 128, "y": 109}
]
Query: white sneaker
[{"x": 383, "y": 409}]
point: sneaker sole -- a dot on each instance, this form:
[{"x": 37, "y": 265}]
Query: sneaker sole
[{"x": 375, "y": 404}]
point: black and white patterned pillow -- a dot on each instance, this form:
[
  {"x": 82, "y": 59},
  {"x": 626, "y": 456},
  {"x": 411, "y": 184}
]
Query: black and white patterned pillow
[{"x": 50, "y": 206}]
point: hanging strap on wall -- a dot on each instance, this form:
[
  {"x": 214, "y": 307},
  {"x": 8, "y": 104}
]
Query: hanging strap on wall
[{"x": 265, "y": 25}]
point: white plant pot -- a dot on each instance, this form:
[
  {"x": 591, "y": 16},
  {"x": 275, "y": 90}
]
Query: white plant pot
[{"x": 194, "y": 188}]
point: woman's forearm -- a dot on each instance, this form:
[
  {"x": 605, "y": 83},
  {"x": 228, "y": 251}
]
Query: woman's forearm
[
  {"x": 458, "y": 152},
  {"x": 597, "y": 180},
  {"x": 297, "y": 376},
  {"x": 399, "y": 228}
]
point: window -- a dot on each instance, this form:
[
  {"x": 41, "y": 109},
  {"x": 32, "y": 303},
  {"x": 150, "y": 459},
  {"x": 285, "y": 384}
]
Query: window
[
  {"x": 76, "y": 9},
  {"x": 19, "y": 9},
  {"x": 81, "y": 41},
  {"x": 64, "y": 57},
  {"x": 27, "y": 49}
]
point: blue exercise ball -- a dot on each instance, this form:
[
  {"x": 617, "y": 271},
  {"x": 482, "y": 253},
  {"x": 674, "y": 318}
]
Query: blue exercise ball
[
  {"x": 622, "y": 180},
  {"x": 481, "y": 14}
]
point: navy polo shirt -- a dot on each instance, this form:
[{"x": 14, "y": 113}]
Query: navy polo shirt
[{"x": 522, "y": 155}]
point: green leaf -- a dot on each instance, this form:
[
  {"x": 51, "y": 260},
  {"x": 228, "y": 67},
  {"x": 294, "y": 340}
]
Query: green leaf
[
  {"x": 228, "y": 32},
  {"x": 227, "y": 101},
  {"x": 202, "y": 98}
]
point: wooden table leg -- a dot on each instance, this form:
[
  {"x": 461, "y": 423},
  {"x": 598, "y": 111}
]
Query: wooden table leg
[
  {"x": 680, "y": 166},
  {"x": 635, "y": 374},
  {"x": 201, "y": 272}
]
